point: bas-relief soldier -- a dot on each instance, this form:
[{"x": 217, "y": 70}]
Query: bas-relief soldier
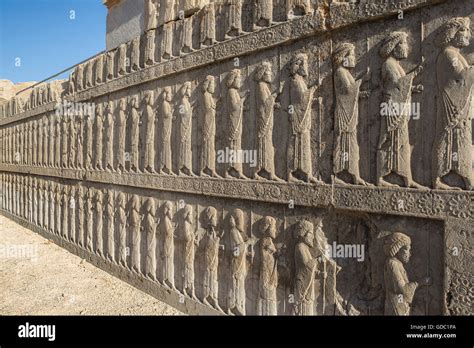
[
  {"x": 98, "y": 135},
  {"x": 89, "y": 242},
  {"x": 109, "y": 65},
  {"x": 166, "y": 232},
  {"x": 135, "y": 123},
  {"x": 234, "y": 18},
  {"x": 235, "y": 105},
  {"x": 150, "y": 47},
  {"x": 121, "y": 134},
  {"x": 99, "y": 69},
  {"x": 73, "y": 139},
  {"x": 453, "y": 149},
  {"x": 187, "y": 35},
  {"x": 399, "y": 291},
  {"x": 79, "y": 140},
  {"x": 109, "y": 137},
  {"x": 58, "y": 210},
  {"x": 88, "y": 73},
  {"x": 300, "y": 112},
  {"x": 89, "y": 134},
  {"x": 72, "y": 214},
  {"x": 122, "y": 60},
  {"x": 135, "y": 54},
  {"x": 64, "y": 212},
  {"x": 57, "y": 145},
  {"x": 149, "y": 116},
  {"x": 121, "y": 223},
  {"x": 41, "y": 139},
  {"x": 187, "y": 235},
  {"x": 208, "y": 152},
  {"x": 268, "y": 276},
  {"x": 185, "y": 131},
  {"x": 109, "y": 211},
  {"x": 166, "y": 113},
  {"x": 134, "y": 220},
  {"x": 52, "y": 140},
  {"x": 79, "y": 77},
  {"x": 263, "y": 13},
  {"x": 34, "y": 143},
  {"x": 298, "y": 7},
  {"x": 208, "y": 25},
  {"x": 99, "y": 222},
  {"x": 151, "y": 14},
  {"x": 346, "y": 115},
  {"x": 46, "y": 142},
  {"x": 65, "y": 150},
  {"x": 306, "y": 267},
  {"x": 149, "y": 227},
  {"x": 394, "y": 151},
  {"x": 238, "y": 263},
  {"x": 80, "y": 215},
  {"x": 167, "y": 41},
  {"x": 211, "y": 258}
]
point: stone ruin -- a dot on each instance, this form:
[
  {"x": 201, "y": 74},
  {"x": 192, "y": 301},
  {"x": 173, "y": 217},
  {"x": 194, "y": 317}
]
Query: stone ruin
[{"x": 263, "y": 157}]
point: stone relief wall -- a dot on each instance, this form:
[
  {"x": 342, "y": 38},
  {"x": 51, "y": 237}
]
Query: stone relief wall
[{"x": 215, "y": 160}]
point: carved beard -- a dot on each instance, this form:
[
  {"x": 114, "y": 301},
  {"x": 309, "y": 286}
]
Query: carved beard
[
  {"x": 399, "y": 53},
  {"x": 460, "y": 40}
]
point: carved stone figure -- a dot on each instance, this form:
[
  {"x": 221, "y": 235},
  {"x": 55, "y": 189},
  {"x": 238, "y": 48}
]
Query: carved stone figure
[
  {"x": 394, "y": 151},
  {"x": 298, "y": 7},
  {"x": 346, "y": 114},
  {"x": 121, "y": 223},
  {"x": 72, "y": 214},
  {"x": 306, "y": 269},
  {"x": 73, "y": 139},
  {"x": 121, "y": 134},
  {"x": 234, "y": 18},
  {"x": 268, "y": 276},
  {"x": 89, "y": 133},
  {"x": 109, "y": 137},
  {"x": 134, "y": 224},
  {"x": 399, "y": 291},
  {"x": 166, "y": 232},
  {"x": 453, "y": 150},
  {"x": 89, "y": 242},
  {"x": 98, "y": 136},
  {"x": 79, "y": 77},
  {"x": 166, "y": 114},
  {"x": 151, "y": 14},
  {"x": 185, "y": 159},
  {"x": 167, "y": 43},
  {"x": 208, "y": 152},
  {"x": 300, "y": 111},
  {"x": 79, "y": 141},
  {"x": 149, "y": 226},
  {"x": 57, "y": 145},
  {"x": 150, "y": 48},
  {"x": 135, "y": 54},
  {"x": 109, "y": 65},
  {"x": 99, "y": 69},
  {"x": 135, "y": 123},
  {"x": 109, "y": 211},
  {"x": 88, "y": 74},
  {"x": 264, "y": 13},
  {"x": 208, "y": 25},
  {"x": 149, "y": 116},
  {"x": 235, "y": 105},
  {"x": 186, "y": 233},
  {"x": 238, "y": 263},
  {"x": 187, "y": 35},
  {"x": 211, "y": 258},
  {"x": 80, "y": 215},
  {"x": 122, "y": 59}
]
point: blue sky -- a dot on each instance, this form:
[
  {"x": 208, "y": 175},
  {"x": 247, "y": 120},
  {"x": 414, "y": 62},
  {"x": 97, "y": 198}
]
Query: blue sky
[{"x": 46, "y": 38}]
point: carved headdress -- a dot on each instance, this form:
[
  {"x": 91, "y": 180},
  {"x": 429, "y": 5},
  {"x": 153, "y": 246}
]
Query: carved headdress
[
  {"x": 261, "y": 70},
  {"x": 302, "y": 228},
  {"x": 390, "y": 42},
  {"x": 450, "y": 29},
  {"x": 341, "y": 52},
  {"x": 394, "y": 242}
]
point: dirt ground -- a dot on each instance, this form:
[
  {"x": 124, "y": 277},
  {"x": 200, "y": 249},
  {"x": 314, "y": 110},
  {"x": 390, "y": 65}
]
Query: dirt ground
[{"x": 37, "y": 277}]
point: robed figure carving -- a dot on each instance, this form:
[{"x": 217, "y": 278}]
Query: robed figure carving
[
  {"x": 394, "y": 149},
  {"x": 453, "y": 149}
]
